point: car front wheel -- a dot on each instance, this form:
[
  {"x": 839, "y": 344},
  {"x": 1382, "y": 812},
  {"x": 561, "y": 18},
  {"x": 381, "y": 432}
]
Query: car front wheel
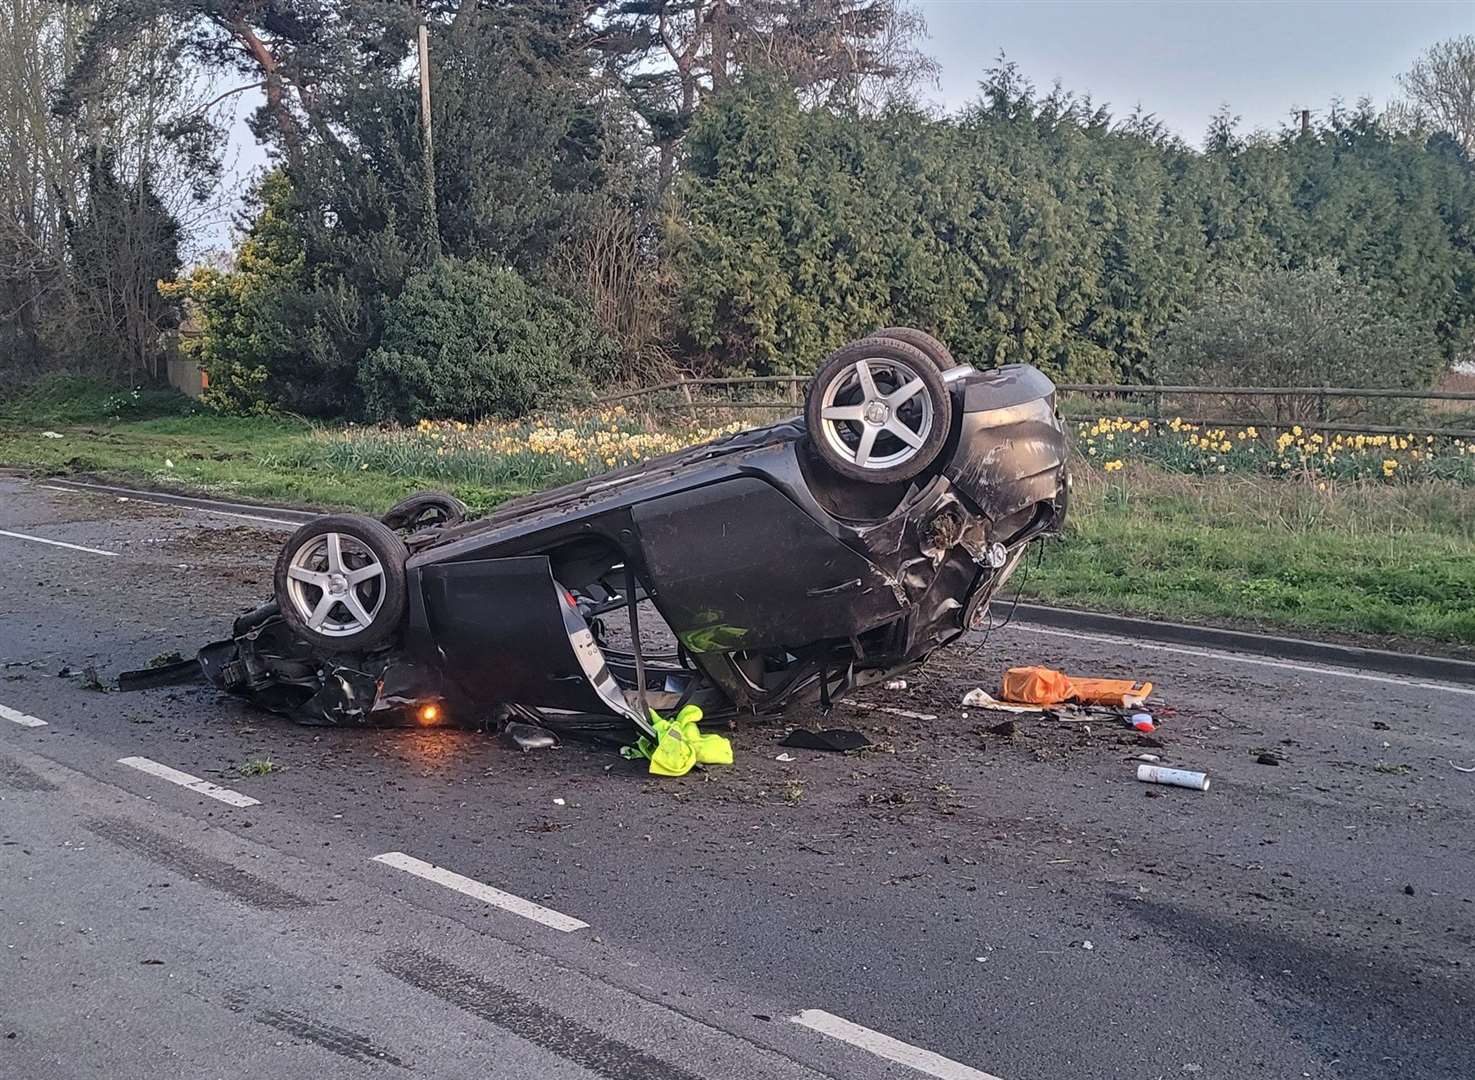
[{"x": 340, "y": 582}]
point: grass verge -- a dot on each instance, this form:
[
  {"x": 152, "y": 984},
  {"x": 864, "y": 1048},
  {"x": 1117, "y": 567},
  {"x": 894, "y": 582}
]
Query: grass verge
[
  {"x": 266, "y": 458},
  {"x": 1393, "y": 561}
]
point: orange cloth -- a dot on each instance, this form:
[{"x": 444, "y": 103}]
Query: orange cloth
[
  {"x": 1035, "y": 686},
  {"x": 1046, "y": 686}
]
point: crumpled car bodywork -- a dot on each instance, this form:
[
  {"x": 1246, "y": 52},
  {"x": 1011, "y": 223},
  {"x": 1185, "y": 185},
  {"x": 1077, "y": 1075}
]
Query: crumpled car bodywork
[{"x": 777, "y": 580}]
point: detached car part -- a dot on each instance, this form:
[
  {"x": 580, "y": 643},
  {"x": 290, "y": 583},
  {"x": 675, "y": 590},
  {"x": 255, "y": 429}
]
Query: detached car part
[{"x": 785, "y": 564}]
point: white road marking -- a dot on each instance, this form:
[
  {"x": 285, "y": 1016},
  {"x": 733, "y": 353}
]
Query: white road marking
[
  {"x": 21, "y": 718},
  {"x": 184, "y": 506},
  {"x": 56, "y": 543},
  {"x": 233, "y": 514},
  {"x": 1214, "y": 654},
  {"x": 496, "y": 897},
  {"x": 913, "y": 1057},
  {"x": 184, "y": 779}
]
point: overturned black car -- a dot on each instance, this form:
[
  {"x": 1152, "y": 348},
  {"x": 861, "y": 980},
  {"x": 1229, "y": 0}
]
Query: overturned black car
[{"x": 788, "y": 563}]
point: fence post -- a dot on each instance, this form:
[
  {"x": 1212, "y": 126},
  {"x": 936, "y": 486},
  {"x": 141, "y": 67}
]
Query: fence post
[{"x": 686, "y": 393}]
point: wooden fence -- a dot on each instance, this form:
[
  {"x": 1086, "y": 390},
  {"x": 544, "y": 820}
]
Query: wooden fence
[{"x": 1324, "y": 408}]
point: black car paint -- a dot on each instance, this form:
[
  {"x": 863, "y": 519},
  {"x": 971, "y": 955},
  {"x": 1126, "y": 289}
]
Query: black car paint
[{"x": 775, "y": 576}]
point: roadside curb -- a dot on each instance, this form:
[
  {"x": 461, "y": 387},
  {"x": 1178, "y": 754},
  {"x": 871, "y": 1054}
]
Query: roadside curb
[
  {"x": 199, "y": 502},
  {"x": 1409, "y": 665}
]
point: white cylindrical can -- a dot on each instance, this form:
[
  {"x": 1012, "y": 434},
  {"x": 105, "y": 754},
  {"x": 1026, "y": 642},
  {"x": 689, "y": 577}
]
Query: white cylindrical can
[{"x": 1157, "y": 774}]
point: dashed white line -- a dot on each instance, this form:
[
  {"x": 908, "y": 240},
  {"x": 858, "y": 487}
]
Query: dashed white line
[
  {"x": 1214, "y": 654},
  {"x": 884, "y": 1046},
  {"x": 485, "y": 893},
  {"x": 56, "y": 543},
  {"x": 23, "y": 719},
  {"x": 184, "y": 779}
]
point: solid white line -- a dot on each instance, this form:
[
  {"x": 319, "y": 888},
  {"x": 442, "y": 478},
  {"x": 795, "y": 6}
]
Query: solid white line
[
  {"x": 184, "y": 779},
  {"x": 232, "y": 514},
  {"x": 504, "y": 900},
  {"x": 21, "y": 718},
  {"x": 914, "y": 1057},
  {"x": 56, "y": 543},
  {"x": 182, "y": 506},
  {"x": 1214, "y": 654}
]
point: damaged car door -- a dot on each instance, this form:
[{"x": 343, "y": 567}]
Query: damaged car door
[{"x": 510, "y": 633}]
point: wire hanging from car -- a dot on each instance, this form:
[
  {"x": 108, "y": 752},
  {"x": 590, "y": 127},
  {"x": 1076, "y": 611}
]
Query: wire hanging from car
[{"x": 1014, "y": 604}]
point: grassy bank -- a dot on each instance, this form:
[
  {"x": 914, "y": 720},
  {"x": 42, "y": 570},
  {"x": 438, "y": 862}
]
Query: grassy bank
[
  {"x": 1360, "y": 557},
  {"x": 1336, "y": 542}
]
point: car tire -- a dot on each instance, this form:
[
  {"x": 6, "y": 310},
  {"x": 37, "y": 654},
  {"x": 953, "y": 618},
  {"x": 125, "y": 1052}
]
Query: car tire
[
  {"x": 934, "y": 350},
  {"x": 425, "y": 508},
  {"x": 877, "y": 411},
  {"x": 340, "y": 582}
]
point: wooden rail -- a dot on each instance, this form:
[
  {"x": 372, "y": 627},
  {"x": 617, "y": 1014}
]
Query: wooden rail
[{"x": 1136, "y": 390}]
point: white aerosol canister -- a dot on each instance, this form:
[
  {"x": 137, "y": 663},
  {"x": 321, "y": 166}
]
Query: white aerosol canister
[{"x": 1157, "y": 774}]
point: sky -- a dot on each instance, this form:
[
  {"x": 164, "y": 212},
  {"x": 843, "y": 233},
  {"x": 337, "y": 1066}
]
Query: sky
[{"x": 1182, "y": 60}]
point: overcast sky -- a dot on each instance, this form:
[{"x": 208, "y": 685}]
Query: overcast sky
[{"x": 1182, "y": 60}]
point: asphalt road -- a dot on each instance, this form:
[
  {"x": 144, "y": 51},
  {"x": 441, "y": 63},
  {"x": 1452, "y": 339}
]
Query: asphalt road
[{"x": 1014, "y": 904}]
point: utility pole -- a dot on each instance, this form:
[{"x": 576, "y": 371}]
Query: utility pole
[
  {"x": 427, "y": 154},
  {"x": 1305, "y": 119}
]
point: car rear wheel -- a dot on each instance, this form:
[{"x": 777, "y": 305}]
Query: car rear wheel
[
  {"x": 920, "y": 340},
  {"x": 425, "y": 509},
  {"x": 878, "y": 411},
  {"x": 340, "y": 582}
]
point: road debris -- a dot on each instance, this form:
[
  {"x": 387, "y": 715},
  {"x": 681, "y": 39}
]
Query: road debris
[
  {"x": 1157, "y": 774},
  {"x": 1046, "y": 686},
  {"x": 1266, "y": 759},
  {"x": 786, "y": 758},
  {"x": 529, "y": 737},
  {"x": 839, "y": 740},
  {"x": 982, "y": 699},
  {"x": 88, "y": 675},
  {"x": 1461, "y": 768},
  {"x": 895, "y": 684},
  {"x": 679, "y": 745},
  {"x": 906, "y": 714},
  {"x": 1141, "y": 721}
]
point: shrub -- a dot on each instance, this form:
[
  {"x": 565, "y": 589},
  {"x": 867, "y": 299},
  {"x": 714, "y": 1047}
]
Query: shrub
[
  {"x": 466, "y": 340},
  {"x": 1307, "y": 327}
]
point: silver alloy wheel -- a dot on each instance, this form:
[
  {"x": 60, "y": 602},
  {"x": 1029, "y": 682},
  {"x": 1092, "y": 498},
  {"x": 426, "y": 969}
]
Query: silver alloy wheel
[
  {"x": 336, "y": 584},
  {"x": 899, "y": 417}
]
